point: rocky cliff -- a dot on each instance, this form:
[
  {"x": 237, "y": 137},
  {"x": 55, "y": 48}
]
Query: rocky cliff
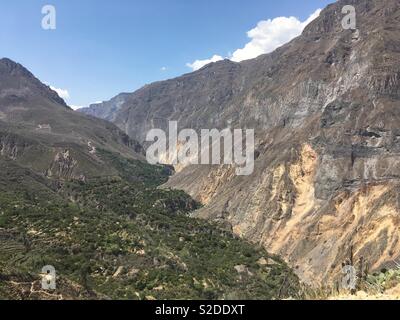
[{"x": 106, "y": 110}]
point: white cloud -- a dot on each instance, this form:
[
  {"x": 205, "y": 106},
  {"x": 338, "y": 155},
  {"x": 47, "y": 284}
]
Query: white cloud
[
  {"x": 271, "y": 34},
  {"x": 164, "y": 69},
  {"x": 76, "y": 107},
  {"x": 267, "y": 36},
  {"x": 63, "y": 93},
  {"x": 198, "y": 64}
]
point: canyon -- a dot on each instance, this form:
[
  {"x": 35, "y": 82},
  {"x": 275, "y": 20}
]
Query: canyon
[
  {"x": 77, "y": 197},
  {"x": 325, "y": 110}
]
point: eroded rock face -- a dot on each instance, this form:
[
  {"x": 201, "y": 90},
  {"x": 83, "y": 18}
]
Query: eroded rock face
[
  {"x": 63, "y": 166},
  {"x": 11, "y": 146},
  {"x": 325, "y": 108}
]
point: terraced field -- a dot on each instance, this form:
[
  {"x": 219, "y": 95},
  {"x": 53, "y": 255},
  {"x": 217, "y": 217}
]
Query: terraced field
[{"x": 120, "y": 239}]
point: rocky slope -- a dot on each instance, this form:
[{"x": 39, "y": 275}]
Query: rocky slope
[{"x": 325, "y": 111}]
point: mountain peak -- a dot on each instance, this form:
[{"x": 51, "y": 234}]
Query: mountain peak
[
  {"x": 370, "y": 15},
  {"x": 8, "y": 66},
  {"x": 11, "y": 71}
]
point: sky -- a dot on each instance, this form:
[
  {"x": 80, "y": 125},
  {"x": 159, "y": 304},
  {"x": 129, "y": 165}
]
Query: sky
[{"x": 101, "y": 48}]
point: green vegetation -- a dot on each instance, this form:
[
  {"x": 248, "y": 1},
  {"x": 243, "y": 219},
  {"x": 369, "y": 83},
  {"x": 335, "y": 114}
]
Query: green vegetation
[
  {"x": 136, "y": 171},
  {"x": 123, "y": 238}
]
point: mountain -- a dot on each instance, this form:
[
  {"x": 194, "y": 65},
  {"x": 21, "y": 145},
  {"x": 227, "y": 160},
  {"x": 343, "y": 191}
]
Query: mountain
[
  {"x": 325, "y": 111},
  {"x": 106, "y": 109},
  {"x": 38, "y": 130},
  {"x": 76, "y": 193}
]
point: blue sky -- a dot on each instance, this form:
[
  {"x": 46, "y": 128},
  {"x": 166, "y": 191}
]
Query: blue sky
[{"x": 102, "y": 47}]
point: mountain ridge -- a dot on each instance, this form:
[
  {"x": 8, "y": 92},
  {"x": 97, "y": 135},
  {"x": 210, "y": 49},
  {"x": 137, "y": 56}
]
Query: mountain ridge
[{"x": 10, "y": 67}]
